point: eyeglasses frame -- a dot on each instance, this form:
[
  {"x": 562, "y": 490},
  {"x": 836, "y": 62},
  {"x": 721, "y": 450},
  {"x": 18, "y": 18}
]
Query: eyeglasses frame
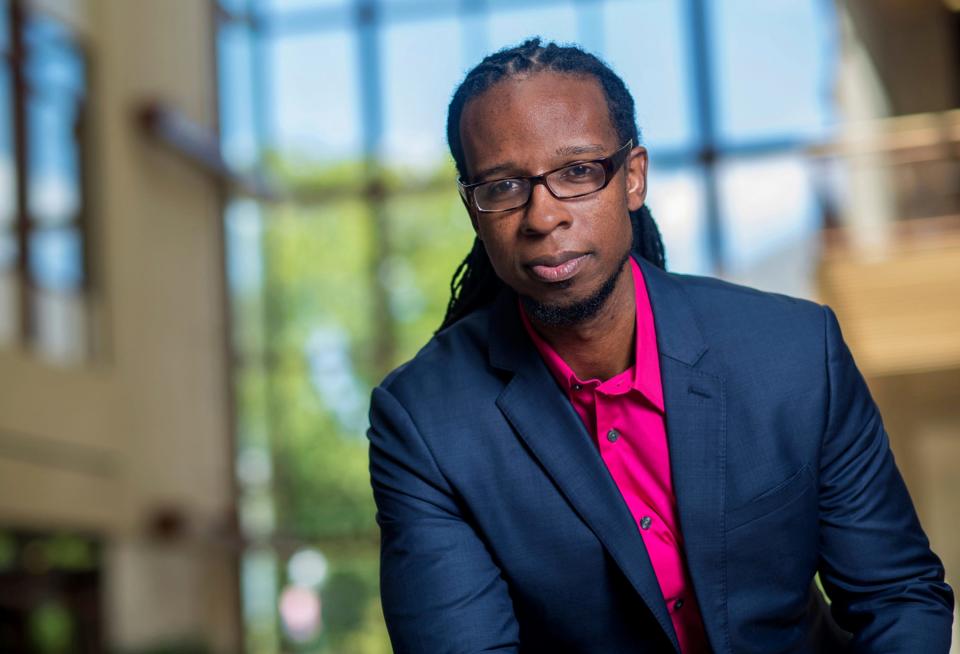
[{"x": 611, "y": 164}]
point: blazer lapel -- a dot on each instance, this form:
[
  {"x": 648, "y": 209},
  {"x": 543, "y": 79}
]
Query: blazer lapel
[
  {"x": 540, "y": 413},
  {"x": 695, "y": 411}
]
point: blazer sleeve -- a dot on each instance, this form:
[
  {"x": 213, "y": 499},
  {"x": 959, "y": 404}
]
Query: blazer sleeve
[
  {"x": 886, "y": 585},
  {"x": 441, "y": 590}
]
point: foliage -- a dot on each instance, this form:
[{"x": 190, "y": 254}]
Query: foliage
[{"x": 350, "y": 289}]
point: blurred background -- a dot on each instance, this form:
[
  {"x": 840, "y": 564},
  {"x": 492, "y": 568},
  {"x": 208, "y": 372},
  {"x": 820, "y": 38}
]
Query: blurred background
[{"x": 221, "y": 223}]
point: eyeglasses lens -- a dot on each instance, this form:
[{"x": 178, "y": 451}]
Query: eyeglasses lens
[{"x": 572, "y": 181}]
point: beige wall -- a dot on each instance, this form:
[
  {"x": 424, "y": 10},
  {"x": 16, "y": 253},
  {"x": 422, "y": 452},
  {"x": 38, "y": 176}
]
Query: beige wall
[
  {"x": 912, "y": 45},
  {"x": 145, "y": 423}
]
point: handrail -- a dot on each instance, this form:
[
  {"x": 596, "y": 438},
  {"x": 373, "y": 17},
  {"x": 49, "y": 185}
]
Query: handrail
[{"x": 195, "y": 144}]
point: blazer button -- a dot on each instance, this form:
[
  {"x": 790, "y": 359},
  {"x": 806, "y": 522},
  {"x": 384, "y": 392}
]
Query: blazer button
[{"x": 613, "y": 435}]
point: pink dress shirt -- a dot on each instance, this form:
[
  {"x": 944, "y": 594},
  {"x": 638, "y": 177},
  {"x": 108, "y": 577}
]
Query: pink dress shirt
[{"x": 625, "y": 415}]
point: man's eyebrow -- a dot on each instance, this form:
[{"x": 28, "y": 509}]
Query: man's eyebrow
[
  {"x": 562, "y": 151},
  {"x": 572, "y": 150}
]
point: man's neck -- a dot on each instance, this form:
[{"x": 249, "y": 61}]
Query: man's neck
[{"x": 602, "y": 346}]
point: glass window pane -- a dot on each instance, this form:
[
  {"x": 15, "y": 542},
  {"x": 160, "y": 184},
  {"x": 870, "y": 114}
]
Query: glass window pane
[
  {"x": 509, "y": 26},
  {"x": 775, "y": 62},
  {"x": 348, "y": 601},
  {"x": 312, "y": 79},
  {"x": 318, "y": 308},
  {"x": 61, "y": 327},
  {"x": 259, "y": 576},
  {"x": 244, "y": 233},
  {"x": 430, "y": 235},
  {"x": 770, "y": 220},
  {"x": 296, "y": 5},
  {"x": 4, "y": 26},
  {"x": 54, "y": 193},
  {"x": 8, "y": 172},
  {"x": 676, "y": 200},
  {"x": 238, "y": 97},
  {"x": 244, "y": 230},
  {"x": 645, "y": 45},
  {"x": 56, "y": 258},
  {"x": 52, "y": 59},
  {"x": 235, "y": 6},
  {"x": 415, "y": 103}
]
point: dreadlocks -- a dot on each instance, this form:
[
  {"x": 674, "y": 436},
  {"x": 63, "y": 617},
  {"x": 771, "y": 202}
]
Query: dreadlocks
[{"x": 474, "y": 283}]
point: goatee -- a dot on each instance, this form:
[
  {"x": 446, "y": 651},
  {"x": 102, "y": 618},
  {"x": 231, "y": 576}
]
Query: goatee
[{"x": 568, "y": 315}]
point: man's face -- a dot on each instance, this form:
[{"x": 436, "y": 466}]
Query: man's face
[{"x": 557, "y": 253}]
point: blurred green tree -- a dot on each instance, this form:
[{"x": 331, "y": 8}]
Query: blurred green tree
[{"x": 356, "y": 277}]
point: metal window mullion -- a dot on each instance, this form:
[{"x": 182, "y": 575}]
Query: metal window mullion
[
  {"x": 21, "y": 165},
  {"x": 371, "y": 110},
  {"x": 706, "y": 125},
  {"x": 82, "y": 219},
  {"x": 227, "y": 350}
]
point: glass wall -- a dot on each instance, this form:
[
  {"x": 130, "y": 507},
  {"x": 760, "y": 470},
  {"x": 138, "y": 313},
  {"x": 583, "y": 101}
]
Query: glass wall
[{"x": 346, "y": 273}]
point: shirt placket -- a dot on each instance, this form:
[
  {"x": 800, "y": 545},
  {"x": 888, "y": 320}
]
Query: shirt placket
[{"x": 660, "y": 541}]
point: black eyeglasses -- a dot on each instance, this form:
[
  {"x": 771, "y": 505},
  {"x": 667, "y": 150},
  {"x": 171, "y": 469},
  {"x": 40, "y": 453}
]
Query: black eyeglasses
[{"x": 570, "y": 181}]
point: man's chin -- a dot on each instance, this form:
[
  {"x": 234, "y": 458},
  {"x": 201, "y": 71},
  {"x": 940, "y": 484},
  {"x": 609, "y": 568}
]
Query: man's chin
[
  {"x": 573, "y": 312},
  {"x": 560, "y": 315}
]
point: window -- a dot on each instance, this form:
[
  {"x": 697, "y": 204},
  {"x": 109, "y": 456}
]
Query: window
[
  {"x": 344, "y": 103},
  {"x": 43, "y": 265}
]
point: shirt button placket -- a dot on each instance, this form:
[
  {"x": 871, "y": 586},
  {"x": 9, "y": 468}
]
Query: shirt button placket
[{"x": 613, "y": 435}]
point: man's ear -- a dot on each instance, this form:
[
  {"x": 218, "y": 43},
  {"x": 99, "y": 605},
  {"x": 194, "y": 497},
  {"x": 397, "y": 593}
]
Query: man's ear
[{"x": 636, "y": 168}]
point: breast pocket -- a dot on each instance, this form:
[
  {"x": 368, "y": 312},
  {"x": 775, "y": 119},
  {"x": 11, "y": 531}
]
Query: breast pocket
[{"x": 778, "y": 497}]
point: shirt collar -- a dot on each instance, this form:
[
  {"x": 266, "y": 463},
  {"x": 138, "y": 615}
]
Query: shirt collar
[{"x": 643, "y": 375}]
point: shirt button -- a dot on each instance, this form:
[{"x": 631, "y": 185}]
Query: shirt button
[
  {"x": 678, "y": 604},
  {"x": 578, "y": 387},
  {"x": 613, "y": 435},
  {"x": 645, "y": 522}
]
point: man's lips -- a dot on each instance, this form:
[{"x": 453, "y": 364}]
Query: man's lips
[{"x": 558, "y": 267}]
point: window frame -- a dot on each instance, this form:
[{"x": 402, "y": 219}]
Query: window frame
[{"x": 25, "y": 224}]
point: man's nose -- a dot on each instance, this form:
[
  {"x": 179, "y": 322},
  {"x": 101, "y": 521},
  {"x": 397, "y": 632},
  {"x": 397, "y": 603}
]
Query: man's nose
[{"x": 544, "y": 213}]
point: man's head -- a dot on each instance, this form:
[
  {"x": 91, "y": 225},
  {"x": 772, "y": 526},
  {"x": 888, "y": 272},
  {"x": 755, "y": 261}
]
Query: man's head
[
  {"x": 532, "y": 57},
  {"x": 562, "y": 256},
  {"x": 526, "y": 111}
]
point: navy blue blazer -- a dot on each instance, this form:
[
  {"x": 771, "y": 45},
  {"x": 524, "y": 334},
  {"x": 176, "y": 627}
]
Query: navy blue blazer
[{"x": 503, "y": 531}]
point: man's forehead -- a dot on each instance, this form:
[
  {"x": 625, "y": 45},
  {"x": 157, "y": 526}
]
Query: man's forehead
[
  {"x": 539, "y": 97},
  {"x": 555, "y": 114}
]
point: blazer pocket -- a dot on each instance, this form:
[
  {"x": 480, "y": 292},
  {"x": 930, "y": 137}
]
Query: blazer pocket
[{"x": 770, "y": 500}]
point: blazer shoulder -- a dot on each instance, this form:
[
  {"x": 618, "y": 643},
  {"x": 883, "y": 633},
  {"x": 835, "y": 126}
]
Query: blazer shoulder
[
  {"x": 747, "y": 326},
  {"x": 711, "y": 289},
  {"x": 716, "y": 299}
]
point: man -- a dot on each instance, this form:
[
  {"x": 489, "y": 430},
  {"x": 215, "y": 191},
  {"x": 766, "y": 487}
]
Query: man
[{"x": 593, "y": 455}]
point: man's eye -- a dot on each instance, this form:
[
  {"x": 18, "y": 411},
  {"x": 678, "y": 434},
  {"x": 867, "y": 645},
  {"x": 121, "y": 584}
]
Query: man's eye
[
  {"x": 579, "y": 172},
  {"x": 503, "y": 187}
]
